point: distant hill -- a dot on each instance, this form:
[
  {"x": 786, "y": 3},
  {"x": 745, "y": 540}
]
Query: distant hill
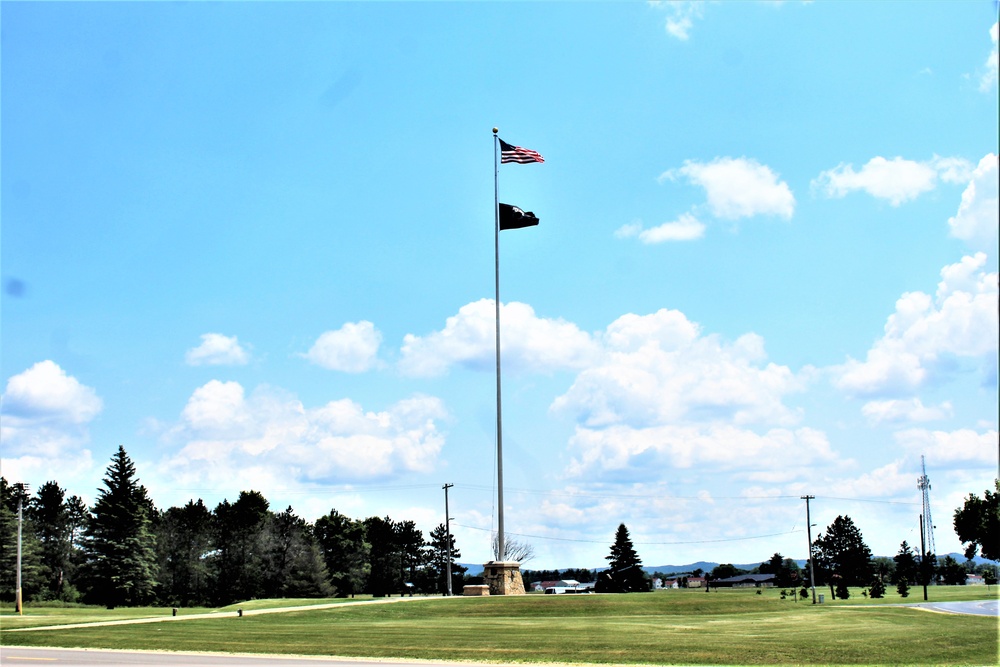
[
  {"x": 476, "y": 569},
  {"x": 473, "y": 569},
  {"x": 705, "y": 567}
]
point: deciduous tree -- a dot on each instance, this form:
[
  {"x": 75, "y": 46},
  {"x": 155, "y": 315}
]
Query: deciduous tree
[
  {"x": 514, "y": 549},
  {"x": 977, "y": 523},
  {"x": 952, "y": 572}
]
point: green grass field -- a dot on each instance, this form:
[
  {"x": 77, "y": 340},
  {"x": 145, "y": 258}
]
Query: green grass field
[{"x": 669, "y": 627}]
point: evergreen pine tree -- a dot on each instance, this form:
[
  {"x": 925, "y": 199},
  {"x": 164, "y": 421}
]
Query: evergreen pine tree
[
  {"x": 184, "y": 541},
  {"x": 386, "y": 556},
  {"x": 240, "y": 538},
  {"x": 32, "y": 579},
  {"x": 842, "y": 555},
  {"x": 877, "y": 589},
  {"x": 294, "y": 564},
  {"x": 624, "y": 564},
  {"x": 438, "y": 550},
  {"x": 346, "y": 551},
  {"x": 50, "y": 517},
  {"x": 906, "y": 569},
  {"x": 120, "y": 555}
]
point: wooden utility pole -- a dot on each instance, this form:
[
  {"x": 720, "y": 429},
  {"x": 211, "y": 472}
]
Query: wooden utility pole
[
  {"x": 812, "y": 575},
  {"x": 18, "y": 600},
  {"x": 447, "y": 534}
]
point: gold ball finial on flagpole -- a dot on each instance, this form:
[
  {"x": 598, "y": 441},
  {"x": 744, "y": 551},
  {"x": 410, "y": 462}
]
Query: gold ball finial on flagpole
[{"x": 495, "y": 130}]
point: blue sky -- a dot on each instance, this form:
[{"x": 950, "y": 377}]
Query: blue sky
[{"x": 253, "y": 243}]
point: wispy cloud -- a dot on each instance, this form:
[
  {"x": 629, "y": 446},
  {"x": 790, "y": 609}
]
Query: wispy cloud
[
  {"x": 685, "y": 228},
  {"x": 988, "y": 81},
  {"x": 898, "y": 410},
  {"x": 951, "y": 447},
  {"x": 681, "y": 15}
]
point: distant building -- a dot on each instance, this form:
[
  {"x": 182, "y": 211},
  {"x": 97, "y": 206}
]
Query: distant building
[
  {"x": 974, "y": 580},
  {"x": 560, "y": 586},
  {"x": 696, "y": 582},
  {"x": 745, "y": 581}
]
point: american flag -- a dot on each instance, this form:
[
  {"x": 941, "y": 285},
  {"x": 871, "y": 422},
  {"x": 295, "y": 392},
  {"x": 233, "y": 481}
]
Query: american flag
[{"x": 510, "y": 153}]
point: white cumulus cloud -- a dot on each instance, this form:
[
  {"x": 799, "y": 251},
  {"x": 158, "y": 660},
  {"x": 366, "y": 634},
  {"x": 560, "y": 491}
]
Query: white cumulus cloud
[
  {"x": 468, "y": 339},
  {"x": 738, "y": 187},
  {"x": 897, "y": 180},
  {"x": 927, "y": 332},
  {"x": 271, "y": 438},
  {"x": 45, "y": 393},
  {"x": 659, "y": 369},
  {"x": 217, "y": 350},
  {"x": 44, "y": 425},
  {"x": 353, "y": 348},
  {"x": 978, "y": 215}
]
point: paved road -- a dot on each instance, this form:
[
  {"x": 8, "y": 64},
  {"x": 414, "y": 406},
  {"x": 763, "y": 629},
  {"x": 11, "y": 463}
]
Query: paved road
[
  {"x": 977, "y": 608},
  {"x": 67, "y": 657}
]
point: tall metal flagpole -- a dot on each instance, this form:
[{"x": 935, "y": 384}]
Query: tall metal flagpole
[{"x": 501, "y": 543}]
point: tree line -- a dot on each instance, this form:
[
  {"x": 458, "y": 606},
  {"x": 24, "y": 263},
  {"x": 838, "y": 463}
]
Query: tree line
[
  {"x": 124, "y": 551},
  {"x": 842, "y": 559}
]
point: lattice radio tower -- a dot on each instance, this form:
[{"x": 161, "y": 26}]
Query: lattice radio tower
[{"x": 924, "y": 484}]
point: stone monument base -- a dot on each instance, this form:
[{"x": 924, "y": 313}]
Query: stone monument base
[
  {"x": 503, "y": 577},
  {"x": 475, "y": 590}
]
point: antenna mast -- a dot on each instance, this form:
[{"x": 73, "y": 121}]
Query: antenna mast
[{"x": 924, "y": 484}]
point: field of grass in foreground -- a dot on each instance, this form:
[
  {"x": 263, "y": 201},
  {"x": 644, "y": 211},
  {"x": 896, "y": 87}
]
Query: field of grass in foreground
[{"x": 675, "y": 627}]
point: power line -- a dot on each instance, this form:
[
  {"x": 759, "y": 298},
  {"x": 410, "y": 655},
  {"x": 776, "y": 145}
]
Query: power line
[
  {"x": 571, "y": 539},
  {"x": 325, "y": 491},
  {"x": 648, "y": 496},
  {"x": 361, "y": 489}
]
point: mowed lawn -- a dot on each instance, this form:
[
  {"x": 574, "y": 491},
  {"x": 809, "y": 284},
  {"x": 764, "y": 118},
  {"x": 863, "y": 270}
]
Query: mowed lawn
[{"x": 672, "y": 627}]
